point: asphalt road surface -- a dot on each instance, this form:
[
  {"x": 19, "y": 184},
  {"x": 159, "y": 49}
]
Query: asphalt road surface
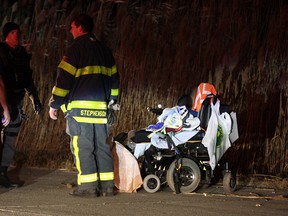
[{"x": 45, "y": 193}]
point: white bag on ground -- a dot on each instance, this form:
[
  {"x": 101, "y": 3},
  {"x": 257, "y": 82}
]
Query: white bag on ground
[{"x": 127, "y": 176}]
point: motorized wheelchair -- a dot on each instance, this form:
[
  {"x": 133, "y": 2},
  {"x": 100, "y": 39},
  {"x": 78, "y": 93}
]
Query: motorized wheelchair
[{"x": 184, "y": 166}]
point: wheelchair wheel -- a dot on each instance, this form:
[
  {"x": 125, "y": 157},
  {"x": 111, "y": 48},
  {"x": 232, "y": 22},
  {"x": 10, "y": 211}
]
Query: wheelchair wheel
[
  {"x": 151, "y": 183},
  {"x": 229, "y": 182},
  {"x": 189, "y": 175}
]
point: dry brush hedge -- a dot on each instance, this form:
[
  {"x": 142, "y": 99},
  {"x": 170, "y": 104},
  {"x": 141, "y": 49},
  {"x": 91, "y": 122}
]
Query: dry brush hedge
[{"x": 164, "y": 49}]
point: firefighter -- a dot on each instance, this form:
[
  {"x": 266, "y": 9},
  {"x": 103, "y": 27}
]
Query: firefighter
[
  {"x": 17, "y": 77},
  {"x": 87, "y": 81}
]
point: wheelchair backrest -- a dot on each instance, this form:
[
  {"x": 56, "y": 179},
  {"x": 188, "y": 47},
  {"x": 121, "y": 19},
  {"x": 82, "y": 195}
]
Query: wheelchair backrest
[{"x": 205, "y": 110}]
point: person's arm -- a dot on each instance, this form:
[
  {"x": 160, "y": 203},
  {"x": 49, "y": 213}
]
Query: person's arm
[
  {"x": 33, "y": 95},
  {"x": 6, "y": 114},
  {"x": 64, "y": 82},
  {"x": 30, "y": 85}
]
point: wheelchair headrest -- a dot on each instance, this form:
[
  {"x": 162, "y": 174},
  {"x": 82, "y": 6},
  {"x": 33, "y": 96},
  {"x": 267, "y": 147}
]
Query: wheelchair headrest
[{"x": 185, "y": 100}]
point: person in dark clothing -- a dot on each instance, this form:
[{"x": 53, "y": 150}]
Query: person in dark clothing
[
  {"x": 17, "y": 77},
  {"x": 87, "y": 82},
  {"x": 3, "y": 103}
]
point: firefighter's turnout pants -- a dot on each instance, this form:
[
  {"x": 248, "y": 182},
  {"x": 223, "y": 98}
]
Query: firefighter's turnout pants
[{"x": 92, "y": 155}]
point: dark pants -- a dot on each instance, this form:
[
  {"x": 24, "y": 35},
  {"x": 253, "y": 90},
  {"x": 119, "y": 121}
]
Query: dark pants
[
  {"x": 8, "y": 137},
  {"x": 92, "y": 155}
]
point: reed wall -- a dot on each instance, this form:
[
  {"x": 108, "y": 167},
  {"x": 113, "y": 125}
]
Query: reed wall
[{"x": 164, "y": 49}]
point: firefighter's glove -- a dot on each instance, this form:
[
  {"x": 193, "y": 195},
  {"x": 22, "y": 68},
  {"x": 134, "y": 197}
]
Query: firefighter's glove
[
  {"x": 37, "y": 107},
  {"x": 113, "y": 105}
]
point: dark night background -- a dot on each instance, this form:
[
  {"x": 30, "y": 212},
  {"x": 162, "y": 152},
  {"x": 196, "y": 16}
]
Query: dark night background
[{"x": 164, "y": 49}]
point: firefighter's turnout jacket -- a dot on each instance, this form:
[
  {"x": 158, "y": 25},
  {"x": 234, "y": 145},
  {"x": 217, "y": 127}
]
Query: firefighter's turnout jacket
[{"x": 87, "y": 80}]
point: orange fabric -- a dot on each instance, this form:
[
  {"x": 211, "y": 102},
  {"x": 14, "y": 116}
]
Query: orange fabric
[{"x": 203, "y": 90}]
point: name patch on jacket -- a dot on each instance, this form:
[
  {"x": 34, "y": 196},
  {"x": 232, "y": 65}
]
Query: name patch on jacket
[{"x": 93, "y": 113}]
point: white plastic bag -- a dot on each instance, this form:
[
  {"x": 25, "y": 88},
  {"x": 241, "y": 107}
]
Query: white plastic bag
[
  {"x": 127, "y": 176},
  {"x": 216, "y": 139},
  {"x": 234, "y": 133},
  {"x": 224, "y": 129},
  {"x": 210, "y": 138}
]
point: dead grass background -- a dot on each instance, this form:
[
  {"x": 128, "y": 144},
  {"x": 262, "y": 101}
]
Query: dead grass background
[{"x": 164, "y": 49}]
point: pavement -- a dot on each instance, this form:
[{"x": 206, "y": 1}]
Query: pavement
[{"x": 45, "y": 192}]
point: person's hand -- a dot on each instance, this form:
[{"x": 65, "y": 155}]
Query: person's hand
[
  {"x": 113, "y": 105},
  {"x": 6, "y": 118},
  {"x": 37, "y": 107},
  {"x": 53, "y": 113}
]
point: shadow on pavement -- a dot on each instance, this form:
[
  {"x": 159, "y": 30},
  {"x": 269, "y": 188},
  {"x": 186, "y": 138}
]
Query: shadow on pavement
[{"x": 23, "y": 176}]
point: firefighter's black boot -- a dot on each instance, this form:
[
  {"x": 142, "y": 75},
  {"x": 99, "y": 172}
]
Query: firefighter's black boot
[{"x": 4, "y": 180}]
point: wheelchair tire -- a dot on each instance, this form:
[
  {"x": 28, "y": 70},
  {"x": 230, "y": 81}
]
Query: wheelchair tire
[
  {"x": 229, "y": 182},
  {"x": 151, "y": 183},
  {"x": 189, "y": 175}
]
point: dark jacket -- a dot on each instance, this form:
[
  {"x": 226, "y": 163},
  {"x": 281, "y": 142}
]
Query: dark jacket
[
  {"x": 17, "y": 75},
  {"x": 87, "y": 80}
]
